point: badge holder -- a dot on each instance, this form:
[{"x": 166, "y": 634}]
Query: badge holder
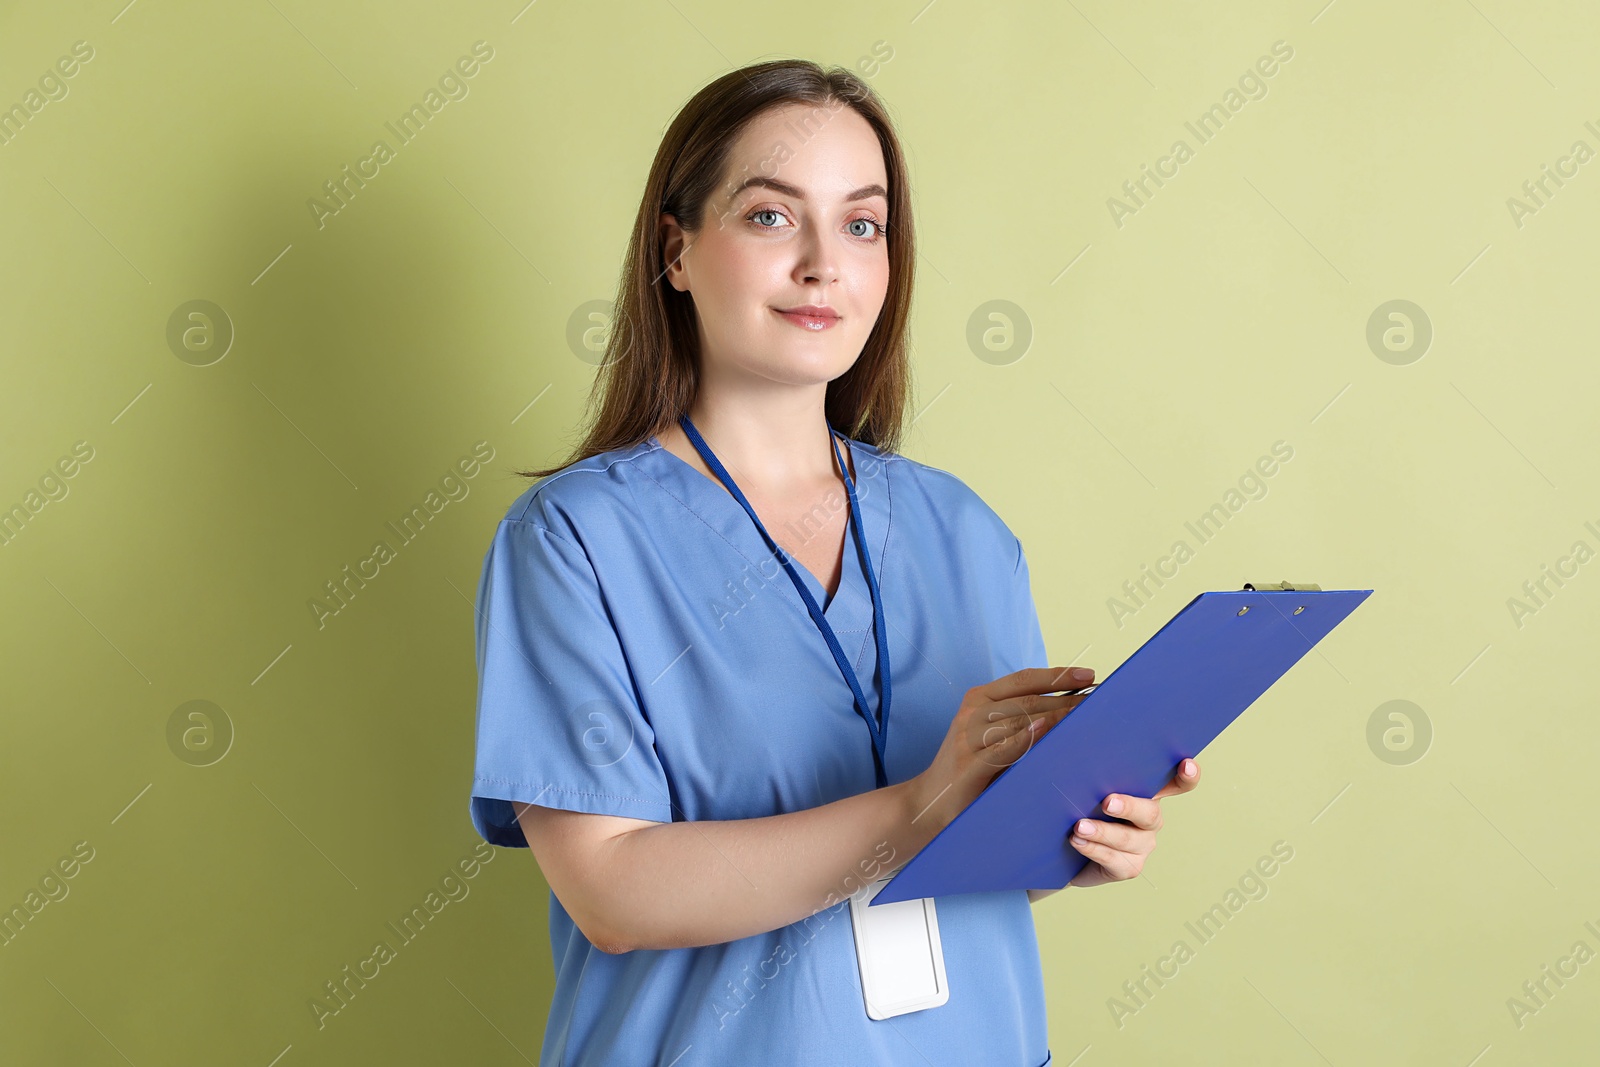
[{"x": 898, "y": 952}]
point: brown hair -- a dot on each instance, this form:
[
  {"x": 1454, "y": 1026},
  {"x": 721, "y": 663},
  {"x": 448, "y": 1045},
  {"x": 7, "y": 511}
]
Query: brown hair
[{"x": 650, "y": 371}]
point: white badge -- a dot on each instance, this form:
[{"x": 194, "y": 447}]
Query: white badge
[{"x": 898, "y": 953}]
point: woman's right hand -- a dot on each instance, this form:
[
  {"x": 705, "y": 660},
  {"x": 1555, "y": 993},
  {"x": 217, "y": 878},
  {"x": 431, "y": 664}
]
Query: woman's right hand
[{"x": 992, "y": 729}]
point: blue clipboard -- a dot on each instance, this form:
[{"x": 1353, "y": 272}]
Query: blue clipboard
[{"x": 1166, "y": 702}]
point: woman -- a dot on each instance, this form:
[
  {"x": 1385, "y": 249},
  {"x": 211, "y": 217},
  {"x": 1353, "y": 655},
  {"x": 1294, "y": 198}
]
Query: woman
[{"x": 672, "y": 719}]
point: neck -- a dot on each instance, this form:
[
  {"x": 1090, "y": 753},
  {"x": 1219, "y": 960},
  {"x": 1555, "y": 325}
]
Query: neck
[{"x": 774, "y": 436}]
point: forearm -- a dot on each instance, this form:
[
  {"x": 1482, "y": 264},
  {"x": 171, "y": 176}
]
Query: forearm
[{"x": 685, "y": 884}]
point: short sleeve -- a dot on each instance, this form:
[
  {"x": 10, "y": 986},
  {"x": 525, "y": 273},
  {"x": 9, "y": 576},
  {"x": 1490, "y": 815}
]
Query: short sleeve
[
  {"x": 1025, "y": 615},
  {"x": 558, "y": 719}
]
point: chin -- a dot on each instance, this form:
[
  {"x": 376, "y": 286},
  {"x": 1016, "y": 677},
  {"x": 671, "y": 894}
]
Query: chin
[
  {"x": 804, "y": 370},
  {"x": 800, "y": 360},
  {"x": 823, "y": 366}
]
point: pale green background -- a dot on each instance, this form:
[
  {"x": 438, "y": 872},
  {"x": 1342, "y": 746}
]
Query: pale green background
[{"x": 1227, "y": 314}]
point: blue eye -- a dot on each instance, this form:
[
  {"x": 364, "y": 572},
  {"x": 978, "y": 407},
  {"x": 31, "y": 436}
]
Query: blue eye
[
  {"x": 871, "y": 235},
  {"x": 875, "y": 230}
]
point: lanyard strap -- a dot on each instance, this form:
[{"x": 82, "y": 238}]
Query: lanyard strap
[{"x": 878, "y": 731}]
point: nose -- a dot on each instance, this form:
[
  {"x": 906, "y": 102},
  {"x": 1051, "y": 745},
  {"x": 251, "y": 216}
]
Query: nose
[{"x": 818, "y": 260}]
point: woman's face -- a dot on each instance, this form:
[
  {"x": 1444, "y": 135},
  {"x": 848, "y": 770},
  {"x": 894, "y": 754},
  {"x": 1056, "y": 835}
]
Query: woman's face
[{"x": 796, "y": 221}]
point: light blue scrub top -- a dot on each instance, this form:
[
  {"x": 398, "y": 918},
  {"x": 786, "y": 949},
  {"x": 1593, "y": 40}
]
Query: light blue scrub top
[{"x": 642, "y": 653}]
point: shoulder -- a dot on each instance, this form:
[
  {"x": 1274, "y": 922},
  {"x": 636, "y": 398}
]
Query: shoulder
[
  {"x": 921, "y": 492},
  {"x": 582, "y": 493}
]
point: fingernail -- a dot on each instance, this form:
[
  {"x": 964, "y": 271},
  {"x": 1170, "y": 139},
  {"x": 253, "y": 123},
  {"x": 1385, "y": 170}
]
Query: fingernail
[
  {"x": 1080, "y": 674},
  {"x": 1188, "y": 767},
  {"x": 1086, "y": 828},
  {"x": 1114, "y": 805},
  {"x": 1035, "y": 726}
]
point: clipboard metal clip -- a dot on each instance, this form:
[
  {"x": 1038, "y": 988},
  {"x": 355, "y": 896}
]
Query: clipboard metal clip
[{"x": 1280, "y": 587}]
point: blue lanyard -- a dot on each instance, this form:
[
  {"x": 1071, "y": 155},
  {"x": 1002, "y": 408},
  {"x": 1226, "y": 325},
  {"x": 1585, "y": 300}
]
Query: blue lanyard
[{"x": 879, "y": 731}]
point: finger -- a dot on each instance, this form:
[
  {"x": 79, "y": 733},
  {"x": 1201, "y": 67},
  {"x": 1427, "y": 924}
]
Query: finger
[
  {"x": 1036, "y": 726},
  {"x": 1020, "y": 711},
  {"x": 1020, "y": 731},
  {"x": 1017, "y": 731},
  {"x": 1004, "y": 750},
  {"x": 1143, "y": 812},
  {"x": 1114, "y": 835},
  {"x": 1182, "y": 779},
  {"x": 1035, "y": 680},
  {"x": 1118, "y": 864},
  {"x": 989, "y": 735},
  {"x": 995, "y": 725}
]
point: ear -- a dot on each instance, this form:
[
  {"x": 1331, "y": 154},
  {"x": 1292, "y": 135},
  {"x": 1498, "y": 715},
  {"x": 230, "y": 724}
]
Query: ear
[{"x": 675, "y": 242}]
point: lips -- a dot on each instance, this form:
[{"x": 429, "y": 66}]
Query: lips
[{"x": 810, "y": 316}]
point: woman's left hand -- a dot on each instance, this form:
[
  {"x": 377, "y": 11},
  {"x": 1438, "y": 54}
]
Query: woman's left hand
[{"x": 1117, "y": 852}]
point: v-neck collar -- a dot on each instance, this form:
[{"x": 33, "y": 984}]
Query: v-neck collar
[{"x": 849, "y": 610}]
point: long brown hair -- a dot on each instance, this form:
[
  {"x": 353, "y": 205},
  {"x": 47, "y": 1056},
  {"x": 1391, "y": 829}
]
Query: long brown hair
[{"x": 650, "y": 372}]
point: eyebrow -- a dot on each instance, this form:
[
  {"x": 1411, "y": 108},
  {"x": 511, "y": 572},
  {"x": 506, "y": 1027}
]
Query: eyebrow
[{"x": 790, "y": 190}]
